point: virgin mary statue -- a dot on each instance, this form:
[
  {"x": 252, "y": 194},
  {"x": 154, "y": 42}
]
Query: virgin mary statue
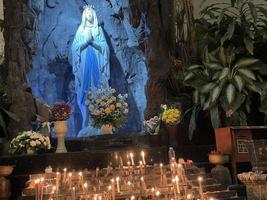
[{"x": 90, "y": 60}]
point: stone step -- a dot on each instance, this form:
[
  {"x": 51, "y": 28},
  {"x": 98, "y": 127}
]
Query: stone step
[
  {"x": 214, "y": 188},
  {"x": 224, "y": 194}
]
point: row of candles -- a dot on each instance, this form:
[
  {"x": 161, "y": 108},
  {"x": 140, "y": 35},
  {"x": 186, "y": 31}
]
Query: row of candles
[{"x": 65, "y": 180}]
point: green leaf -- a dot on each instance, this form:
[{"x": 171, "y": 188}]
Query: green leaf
[
  {"x": 195, "y": 97},
  {"x": 192, "y": 123},
  {"x": 11, "y": 115},
  {"x": 192, "y": 67},
  {"x": 189, "y": 76},
  {"x": 215, "y": 93},
  {"x": 238, "y": 101},
  {"x": 215, "y": 117},
  {"x": 246, "y": 62},
  {"x": 222, "y": 56},
  {"x": 224, "y": 73},
  {"x": 230, "y": 92},
  {"x": 249, "y": 45},
  {"x": 3, "y": 124},
  {"x": 207, "y": 87},
  {"x": 239, "y": 82},
  {"x": 242, "y": 118},
  {"x": 247, "y": 105},
  {"x": 231, "y": 29},
  {"x": 247, "y": 73},
  {"x": 213, "y": 65},
  {"x": 253, "y": 11}
]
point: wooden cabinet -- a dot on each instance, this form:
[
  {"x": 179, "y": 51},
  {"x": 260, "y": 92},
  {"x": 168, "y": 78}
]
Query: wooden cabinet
[{"x": 231, "y": 140}]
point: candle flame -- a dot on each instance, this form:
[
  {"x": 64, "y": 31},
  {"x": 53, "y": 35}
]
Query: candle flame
[
  {"x": 157, "y": 193},
  {"x": 80, "y": 173},
  {"x": 200, "y": 179},
  {"x": 189, "y": 196},
  {"x": 65, "y": 169},
  {"x": 132, "y": 197},
  {"x": 117, "y": 178},
  {"x": 142, "y": 153}
]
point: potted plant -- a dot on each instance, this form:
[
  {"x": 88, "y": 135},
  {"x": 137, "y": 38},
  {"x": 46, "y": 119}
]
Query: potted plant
[
  {"x": 229, "y": 70},
  {"x": 29, "y": 142},
  {"x": 60, "y": 115},
  {"x": 107, "y": 109}
]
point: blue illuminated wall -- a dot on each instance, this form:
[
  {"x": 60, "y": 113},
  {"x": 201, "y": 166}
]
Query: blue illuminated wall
[{"x": 51, "y": 75}]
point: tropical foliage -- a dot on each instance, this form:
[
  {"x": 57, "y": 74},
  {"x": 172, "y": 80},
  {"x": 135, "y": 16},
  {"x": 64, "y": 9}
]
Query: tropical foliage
[{"x": 231, "y": 67}]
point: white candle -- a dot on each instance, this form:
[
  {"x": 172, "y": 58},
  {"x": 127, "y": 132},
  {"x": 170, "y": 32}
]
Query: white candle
[
  {"x": 157, "y": 194},
  {"x": 177, "y": 185},
  {"x": 129, "y": 184},
  {"x": 132, "y": 159},
  {"x": 118, "y": 184},
  {"x": 200, "y": 179},
  {"x": 70, "y": 181},
  {"x": 36, "y": 184},
  {"x": 121, "y": 162},
  {"x": 132, "y": 197},
  {"x": 85, "y": 187},
  {"x": 113, "y": 188},
  {"x": 64, "y": 175},
  {"x": 189, "y": 196},
  {"x": 80, "y": 179},
  {"x": 57, "y": 181},
  {"x": 143, "y": 157},
  {"x": 73, "y": 195},
  {"x": 42, "y": 187},
  {"x": 143, "y": 183}
]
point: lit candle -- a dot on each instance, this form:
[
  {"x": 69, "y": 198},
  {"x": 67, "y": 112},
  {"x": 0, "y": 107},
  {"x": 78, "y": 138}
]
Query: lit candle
[
  {"x": 85, "y": 187},
  {"x": 132, "y": 197},
  {"x": 109, "y": 192},
  {"x": 121, "y": 162},
  {"x": 161, "y": 173},
  {"x": 132, "y": 159},
  {"x": 113, "y": 188},
  {"x": 141, "y": 167},
  {"x": 143, "y": 157},
  {"x": 80, "y": 179},
  {"x": 157, "y": 194},
  {"x": 70, "y": 180},
  {"x": 143, "y": 184},
  {"x": 153, "y": 193},
  {"x": 57, "y": 181},
  {"x": 118, "y": 184},
  {"x": 200, "y": 179},
  {"x": 129, "y": 184},
  {"x": 42, "y": 187},
  {"x": 36, "y": 184},
  {"x": 73, "y": 194},
  {"x": 189, "y": 196},
  {"x": 64, "y": 175}
]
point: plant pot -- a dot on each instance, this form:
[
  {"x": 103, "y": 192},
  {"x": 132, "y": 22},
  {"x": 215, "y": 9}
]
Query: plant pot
[
  {"x": 5, "y": 192},
  {"x": 218, "y": 159},
  {"x": 106, "y": 129},
  {"x": 61, "y": 127}
]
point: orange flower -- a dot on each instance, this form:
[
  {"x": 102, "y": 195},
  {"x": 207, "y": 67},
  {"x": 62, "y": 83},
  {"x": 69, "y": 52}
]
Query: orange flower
[{"x": 112, "y": 107}]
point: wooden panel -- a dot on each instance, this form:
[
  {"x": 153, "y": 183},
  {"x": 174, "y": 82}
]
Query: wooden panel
[{"x": 224, "y": 140}]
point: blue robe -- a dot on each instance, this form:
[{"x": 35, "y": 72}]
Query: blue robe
[{"x": 90, "y": 68}]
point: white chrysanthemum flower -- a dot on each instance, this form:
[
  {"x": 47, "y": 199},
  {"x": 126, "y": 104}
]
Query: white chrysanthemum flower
[{"x": 33, "y": 143}]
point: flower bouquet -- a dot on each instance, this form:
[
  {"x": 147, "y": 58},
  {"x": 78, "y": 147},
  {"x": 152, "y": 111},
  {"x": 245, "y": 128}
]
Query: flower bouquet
[
  {"x": 152, "y": 125},
  {"x": 170, "y": 116},
  {"x": 107, "y": 108},
  {"x": 60, "y": 114},
  {"x": 29, "y": 142},
  {"x": 60, "y": 111}
]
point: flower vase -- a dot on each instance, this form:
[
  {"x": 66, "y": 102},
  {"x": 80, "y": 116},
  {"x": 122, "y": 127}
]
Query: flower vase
[
  {"x": 30, "y": 152},
  {"x": 106, "y": 129},
  {"x": 61, "y": 128},
  {"x": 172, "y": 134}
]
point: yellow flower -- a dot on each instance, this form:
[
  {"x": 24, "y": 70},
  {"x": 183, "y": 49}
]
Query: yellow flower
[{"x": 171, "y": 116}]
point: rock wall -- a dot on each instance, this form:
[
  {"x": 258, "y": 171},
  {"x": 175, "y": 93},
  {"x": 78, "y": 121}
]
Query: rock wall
[{"x": 40, "y": 32}]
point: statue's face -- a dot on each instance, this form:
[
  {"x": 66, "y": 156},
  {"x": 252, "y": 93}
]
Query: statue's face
[{"x": 89, "y": 16}]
